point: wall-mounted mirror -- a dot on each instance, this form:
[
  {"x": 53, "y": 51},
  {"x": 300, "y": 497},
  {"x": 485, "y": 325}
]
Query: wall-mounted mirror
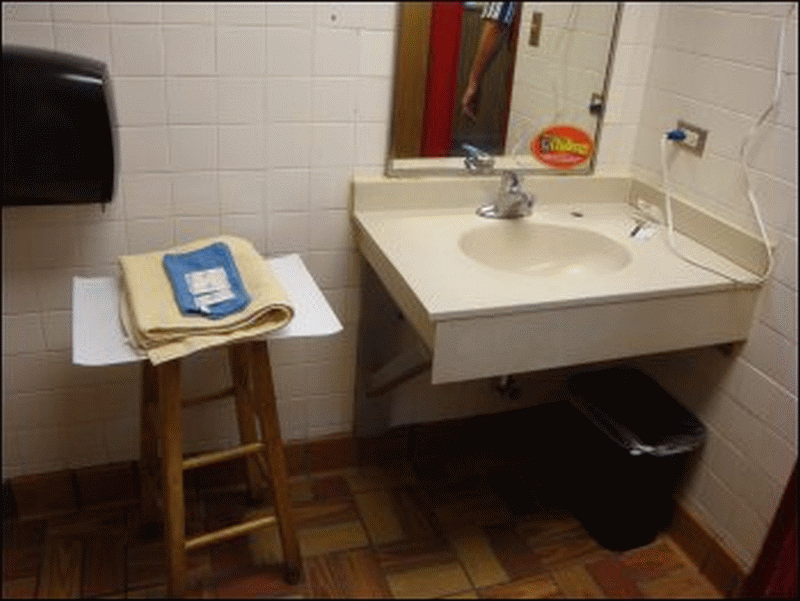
[{"x": 525, "y": 81}]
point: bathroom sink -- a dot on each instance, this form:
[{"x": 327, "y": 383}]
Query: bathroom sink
[
  {"x": 568, "y": 285},
  {"x": 539, "y": 249}
]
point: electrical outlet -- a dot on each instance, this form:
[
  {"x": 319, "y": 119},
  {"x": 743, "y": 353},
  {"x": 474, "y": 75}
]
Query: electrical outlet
[
  {"x": 695, "y": 140},
  {"x": 691, "y": 139}
]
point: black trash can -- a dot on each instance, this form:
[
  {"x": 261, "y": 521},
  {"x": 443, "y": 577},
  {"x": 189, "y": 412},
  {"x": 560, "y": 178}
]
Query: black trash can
[{"x": 624, "y": 451}]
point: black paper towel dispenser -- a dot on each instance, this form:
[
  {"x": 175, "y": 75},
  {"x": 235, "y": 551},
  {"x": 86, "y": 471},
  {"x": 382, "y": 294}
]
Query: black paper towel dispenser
[{"x": 59, "y": 128}]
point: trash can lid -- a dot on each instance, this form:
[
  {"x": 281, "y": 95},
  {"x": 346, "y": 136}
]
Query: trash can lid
[{"x": 635, "y": 412}]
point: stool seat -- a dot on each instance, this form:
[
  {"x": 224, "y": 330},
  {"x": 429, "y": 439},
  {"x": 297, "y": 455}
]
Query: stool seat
[{"x": 98, "y": 340}]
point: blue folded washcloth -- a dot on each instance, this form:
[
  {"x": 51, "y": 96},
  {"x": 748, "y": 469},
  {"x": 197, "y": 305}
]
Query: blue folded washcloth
[{"x": 206, "y": 281}]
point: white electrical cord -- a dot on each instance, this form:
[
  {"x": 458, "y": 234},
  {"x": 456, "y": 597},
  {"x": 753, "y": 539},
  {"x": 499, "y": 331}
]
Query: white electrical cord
[{"x": 745, "y": 167}]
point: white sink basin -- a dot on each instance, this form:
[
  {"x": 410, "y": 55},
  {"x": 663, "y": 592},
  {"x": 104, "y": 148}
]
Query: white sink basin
[{"x": 539, "y": 249}]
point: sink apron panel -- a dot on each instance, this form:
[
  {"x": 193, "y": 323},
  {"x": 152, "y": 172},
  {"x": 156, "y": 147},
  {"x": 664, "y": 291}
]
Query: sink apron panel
[{"x": 517, "y": 343}]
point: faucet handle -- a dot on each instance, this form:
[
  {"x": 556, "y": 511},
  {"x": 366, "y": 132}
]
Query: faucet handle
[{"x": 477, "y": 161}]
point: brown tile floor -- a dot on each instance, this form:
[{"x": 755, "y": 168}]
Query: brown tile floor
[{"x": 437, "y": 530}]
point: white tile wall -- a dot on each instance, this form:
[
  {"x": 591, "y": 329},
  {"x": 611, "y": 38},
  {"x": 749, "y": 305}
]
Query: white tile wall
[
  {"x": 713, "y": 64},
  {"x": 241, "y": 100},
  {"x": 234, "y": 117},
  {"x": 252, "y": 119}
]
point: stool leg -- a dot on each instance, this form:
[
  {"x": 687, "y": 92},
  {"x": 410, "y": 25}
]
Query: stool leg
[
  {"x": 239, "y": 359},
  {"x": 148, "y": 445},
  {"x": 268, "y": 414},
  {"x": 169, "y": 396}
]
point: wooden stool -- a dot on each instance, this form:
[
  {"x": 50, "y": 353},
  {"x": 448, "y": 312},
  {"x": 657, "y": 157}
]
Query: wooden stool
[{"x": 161, "y": 429}]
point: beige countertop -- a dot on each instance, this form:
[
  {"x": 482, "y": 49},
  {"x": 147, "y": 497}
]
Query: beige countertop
[{"x": 422, "y": 245}]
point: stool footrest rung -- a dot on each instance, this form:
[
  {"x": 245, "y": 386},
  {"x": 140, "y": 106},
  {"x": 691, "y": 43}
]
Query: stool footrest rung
[
  {"x": 220, "y": 456},
  {"x": 230, "y": 532}
]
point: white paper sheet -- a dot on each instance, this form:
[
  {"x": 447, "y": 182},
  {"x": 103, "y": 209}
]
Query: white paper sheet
[{"x": 98, "y": 339}]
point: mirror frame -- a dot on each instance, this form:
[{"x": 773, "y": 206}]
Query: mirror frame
[{"x": 454, "y": 166}]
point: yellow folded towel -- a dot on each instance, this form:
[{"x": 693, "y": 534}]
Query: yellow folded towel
[{"x": 154, "y": 323}]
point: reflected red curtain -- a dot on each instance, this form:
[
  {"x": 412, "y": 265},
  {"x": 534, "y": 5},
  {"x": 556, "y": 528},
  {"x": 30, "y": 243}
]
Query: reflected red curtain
[
  {"x": 442, "y": 82},
  {"x": 775, "y": 572}
]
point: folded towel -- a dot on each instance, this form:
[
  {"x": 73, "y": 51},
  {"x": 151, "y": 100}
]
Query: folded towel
[
  {"x": 154, "y": 322},
  {"x": 206, "y": 281}
]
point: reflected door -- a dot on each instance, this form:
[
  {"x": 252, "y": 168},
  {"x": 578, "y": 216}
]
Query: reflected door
[{"x": 455, "y": 30}]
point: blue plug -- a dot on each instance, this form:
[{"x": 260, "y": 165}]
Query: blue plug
[{"x": 676, "y": 134}]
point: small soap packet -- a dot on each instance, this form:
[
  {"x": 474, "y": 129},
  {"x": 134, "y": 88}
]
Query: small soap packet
[
  {"x": 209, "y": 287},
  {"x": 207, "y": 280}
]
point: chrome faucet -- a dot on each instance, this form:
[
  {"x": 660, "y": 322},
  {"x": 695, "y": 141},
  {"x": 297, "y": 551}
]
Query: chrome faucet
[
  {"x": 512, "y": 202},
  {"x": 477, "y": 161}
]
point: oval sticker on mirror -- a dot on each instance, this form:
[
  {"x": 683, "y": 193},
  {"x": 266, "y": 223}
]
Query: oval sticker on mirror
[{"x": 562, "y": 146}]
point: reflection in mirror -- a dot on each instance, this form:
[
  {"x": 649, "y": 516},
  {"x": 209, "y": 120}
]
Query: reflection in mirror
[{"x": 547, "y": 66}]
